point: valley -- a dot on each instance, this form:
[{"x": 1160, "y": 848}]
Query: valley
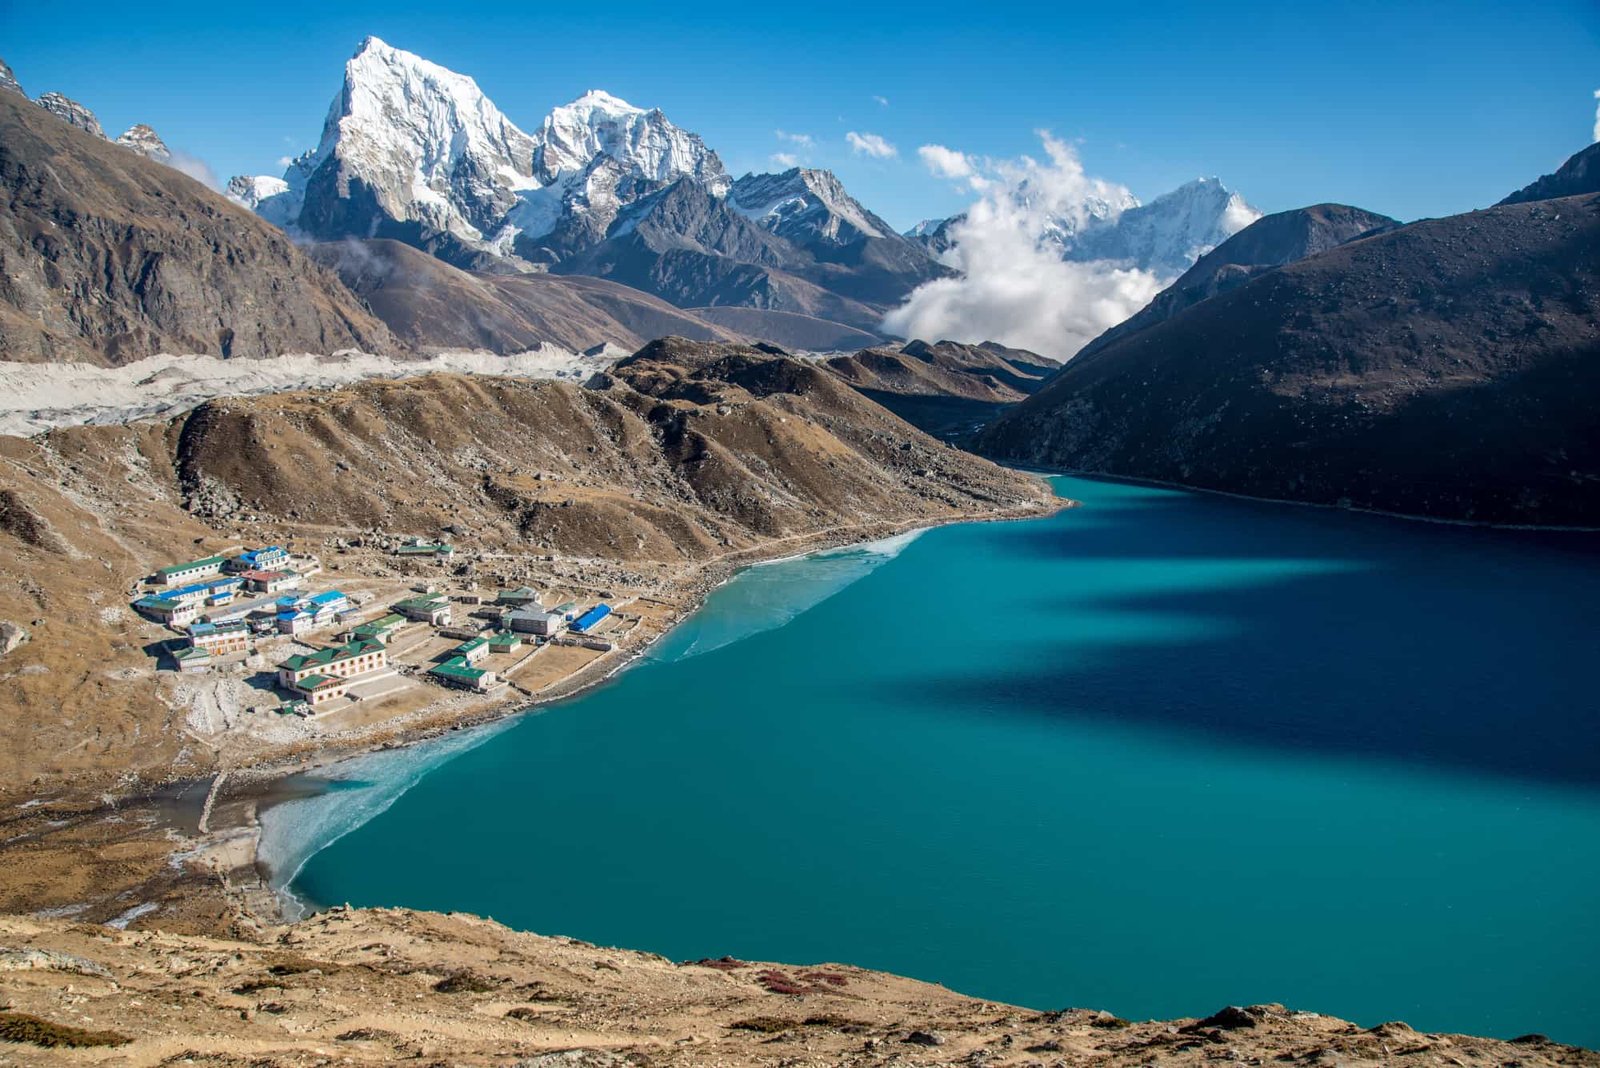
[{"x": 557, "y": 515}]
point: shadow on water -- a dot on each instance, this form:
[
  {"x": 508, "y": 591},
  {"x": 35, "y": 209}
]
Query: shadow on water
[{"x": 1475, "y": 674}]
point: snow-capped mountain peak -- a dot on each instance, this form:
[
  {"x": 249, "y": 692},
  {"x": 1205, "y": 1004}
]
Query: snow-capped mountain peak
[
  {"x": 1167, "y": 235},
  {"x": 806, "y": 203},
  {"x": 145, "y": 141},
  {"x": 644, "y": 143},
  {"x": 414, "y": 150}
]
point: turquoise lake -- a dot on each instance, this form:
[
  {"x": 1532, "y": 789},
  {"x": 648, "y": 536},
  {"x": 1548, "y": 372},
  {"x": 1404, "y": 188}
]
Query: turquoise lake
[{"x": 1157, "y": 754}]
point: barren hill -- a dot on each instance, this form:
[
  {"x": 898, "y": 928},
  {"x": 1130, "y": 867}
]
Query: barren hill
[{"x": 107, "y": 257}]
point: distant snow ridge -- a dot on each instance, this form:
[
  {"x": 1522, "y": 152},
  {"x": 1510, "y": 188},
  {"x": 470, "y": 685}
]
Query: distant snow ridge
[{"x": 410, "y": 145}]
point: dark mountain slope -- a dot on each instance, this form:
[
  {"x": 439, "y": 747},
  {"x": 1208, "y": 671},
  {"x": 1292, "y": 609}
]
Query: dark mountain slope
[
  {"x": 1450, "y": 368},
  {"x": 946, "y": 389},
  {"x": 432, "y": 305},
  {"x": 1580, "y": 174},
  {"x": 107, "y": 257},
  {"x": 1269, "y": 242}
]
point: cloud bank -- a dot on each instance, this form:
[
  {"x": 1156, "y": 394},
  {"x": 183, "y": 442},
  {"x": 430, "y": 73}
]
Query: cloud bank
[
  {"x": 1013, "y": 286},
  {"x": 870, "y": 144}
]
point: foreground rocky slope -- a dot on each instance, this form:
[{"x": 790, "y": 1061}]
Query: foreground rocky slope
[
  {"x": 1447, "y": 369},
  {"x": 384, "y": 986},
  {"x": 107, "y": 257}
]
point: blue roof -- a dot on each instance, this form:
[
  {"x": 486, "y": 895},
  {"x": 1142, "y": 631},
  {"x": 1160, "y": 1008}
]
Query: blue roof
[
  {"x": 194, "y": 587},
  {"x": 329, "y": 597},
  {"x": 591, "y": 617}
]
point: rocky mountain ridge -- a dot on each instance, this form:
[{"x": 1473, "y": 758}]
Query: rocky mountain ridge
[{"x": 138, "y": 137}]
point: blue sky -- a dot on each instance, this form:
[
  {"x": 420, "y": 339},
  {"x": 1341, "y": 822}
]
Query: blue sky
[{"x": 1411, "y": 109}]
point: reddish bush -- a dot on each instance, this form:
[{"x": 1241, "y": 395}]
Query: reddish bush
[
  {"x": 831, "y": 978},
  {"x": 724, "y": 964}
]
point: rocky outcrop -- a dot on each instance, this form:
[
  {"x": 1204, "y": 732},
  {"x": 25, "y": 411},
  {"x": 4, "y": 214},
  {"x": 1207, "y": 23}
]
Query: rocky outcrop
[
  {"x": 12, "y": 635},
  {"x": 8, "y": 80},
  {"x": 107, "y": 257},
  {"x": 1449, "y": 368},
  {"x": 72, "y": 112}
]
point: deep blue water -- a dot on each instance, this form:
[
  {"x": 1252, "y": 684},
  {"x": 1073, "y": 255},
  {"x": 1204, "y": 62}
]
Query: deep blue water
[{"x": 1156, "y": 754}]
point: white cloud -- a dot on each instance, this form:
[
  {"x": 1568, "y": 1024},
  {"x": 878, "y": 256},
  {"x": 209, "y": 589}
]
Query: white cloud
[
  {"x": 946, "y": 162},
  {"x": 195, "y": 168},
  {"x": 800, "y": 139},
  {"x": 284, "y": 161},
  {"x": 1013, "y": 285},
  {"x": 882, "y": 101},
  {"x": 786, "y": 160},
  {"x": 870, "y": 144},
  {"x": 1597, "y": 115}
]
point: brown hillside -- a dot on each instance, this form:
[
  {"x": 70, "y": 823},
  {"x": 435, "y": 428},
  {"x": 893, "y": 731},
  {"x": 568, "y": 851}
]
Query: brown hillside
[
  {"x": 108, "y": 257},
  {"x": 689, "y": 453}
]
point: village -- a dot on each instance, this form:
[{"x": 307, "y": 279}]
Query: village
[{"x": 350, "y": 653}]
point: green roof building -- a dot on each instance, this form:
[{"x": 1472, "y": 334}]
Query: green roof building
[{"x": 458, "y": 673}]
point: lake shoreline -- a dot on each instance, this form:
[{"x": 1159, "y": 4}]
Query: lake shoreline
[
  {"x": 1132, "y": 651},
  {"x": 1045, "y": 470},
  {"x": 252, "y": 790}
]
